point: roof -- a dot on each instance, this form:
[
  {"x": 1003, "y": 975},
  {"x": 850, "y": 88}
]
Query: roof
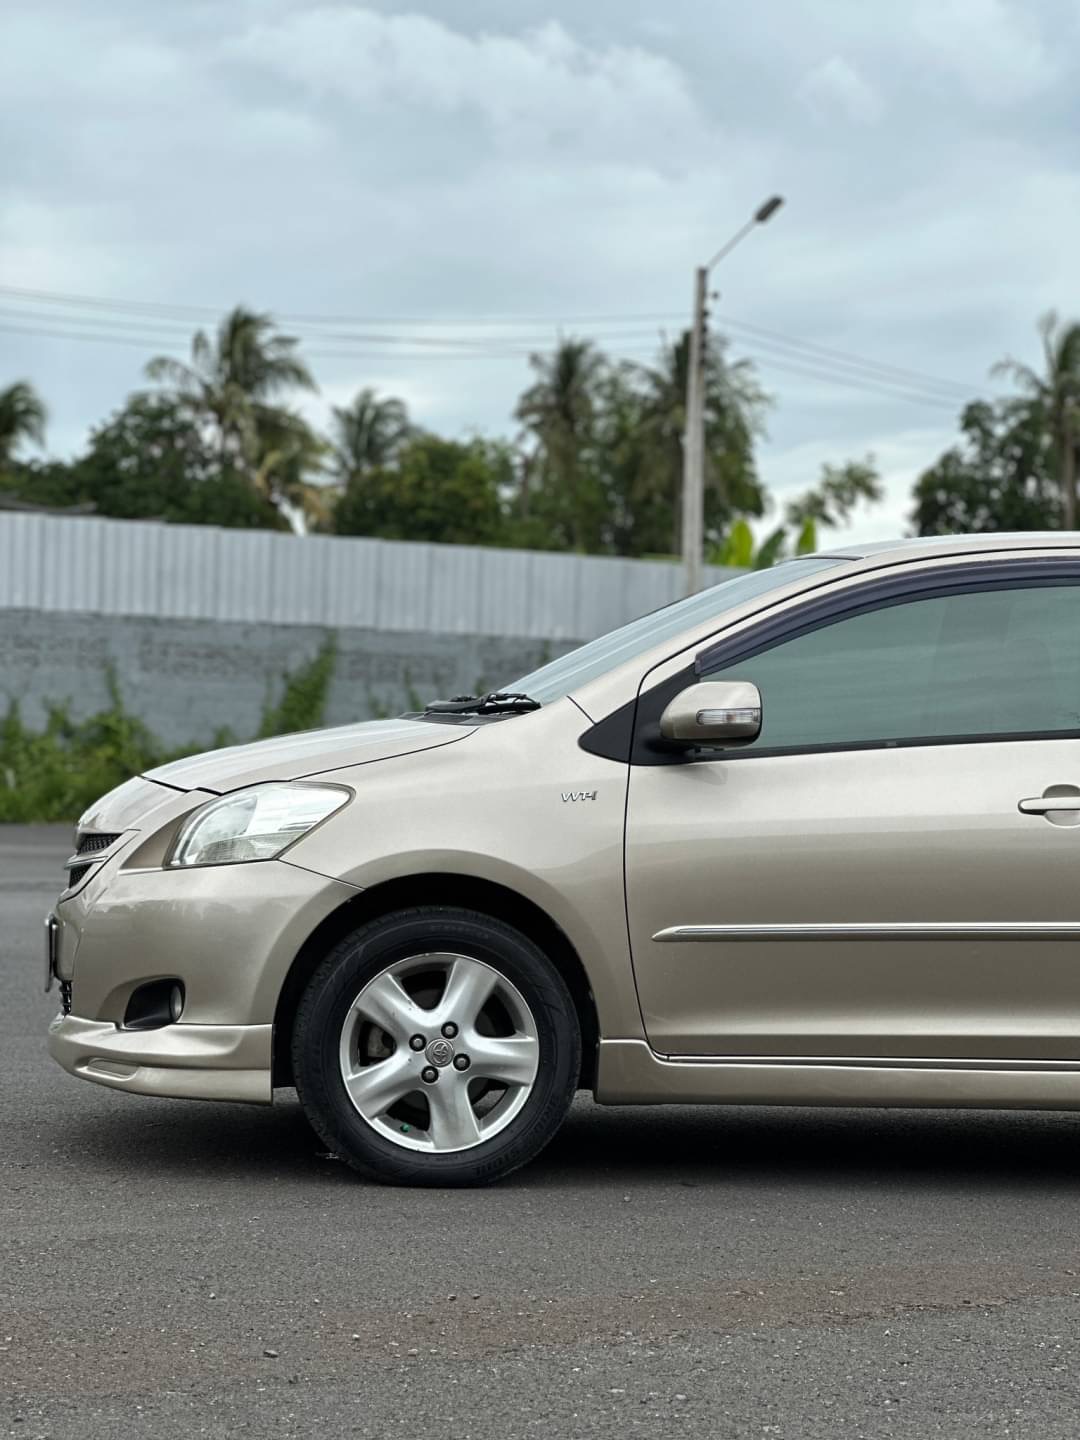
[
  {"x": 31, "y": 507},
  {"x": 919, "y": 546}
]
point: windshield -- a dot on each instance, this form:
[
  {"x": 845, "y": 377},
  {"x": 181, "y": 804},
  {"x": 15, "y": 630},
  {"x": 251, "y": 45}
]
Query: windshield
[{"x": 587, "y": 662}]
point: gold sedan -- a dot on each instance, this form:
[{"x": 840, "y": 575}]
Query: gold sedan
[{"x": 809, "y": 837}]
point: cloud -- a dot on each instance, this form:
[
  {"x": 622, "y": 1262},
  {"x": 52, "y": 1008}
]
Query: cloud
[
  {"x": 996, "y": 50},
  {"x": 835, "y": 85},
  {"x": 557, "y": 160},
  {"x": 540, "y": 93}
]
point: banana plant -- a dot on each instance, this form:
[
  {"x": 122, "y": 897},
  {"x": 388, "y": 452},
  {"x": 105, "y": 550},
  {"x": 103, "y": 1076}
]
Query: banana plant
[{"x": 736, "y": 549}]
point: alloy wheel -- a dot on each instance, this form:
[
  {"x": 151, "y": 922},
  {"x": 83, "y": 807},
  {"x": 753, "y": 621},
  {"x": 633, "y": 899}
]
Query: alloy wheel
[{"x": 439, "y": 1052}]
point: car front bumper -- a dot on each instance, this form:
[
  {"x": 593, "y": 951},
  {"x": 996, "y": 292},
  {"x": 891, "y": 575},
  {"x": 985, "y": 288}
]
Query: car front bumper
[
  {"x": 229, "y": 934},
  {"x": 189, "y": 1062}
]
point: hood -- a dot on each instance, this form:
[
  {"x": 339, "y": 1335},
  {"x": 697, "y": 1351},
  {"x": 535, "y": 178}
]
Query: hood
[{"x": 311, "y": 752}]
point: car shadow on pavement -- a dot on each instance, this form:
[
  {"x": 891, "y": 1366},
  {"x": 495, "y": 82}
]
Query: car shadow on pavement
[
  {"x": 814, "y": 1146},
  {"x": 631, "y": 1146}
]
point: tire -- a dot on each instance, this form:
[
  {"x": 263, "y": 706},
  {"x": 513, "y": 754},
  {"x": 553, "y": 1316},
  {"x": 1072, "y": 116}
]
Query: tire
[{"x": 441, "y": 1054}]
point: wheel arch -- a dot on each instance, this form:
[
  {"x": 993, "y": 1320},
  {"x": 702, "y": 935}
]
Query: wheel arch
[{"x": 461, "y": 892}]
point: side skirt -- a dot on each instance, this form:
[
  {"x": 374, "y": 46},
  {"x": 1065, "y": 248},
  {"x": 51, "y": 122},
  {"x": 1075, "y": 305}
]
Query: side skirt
[{"x": 629, "y": 1073}]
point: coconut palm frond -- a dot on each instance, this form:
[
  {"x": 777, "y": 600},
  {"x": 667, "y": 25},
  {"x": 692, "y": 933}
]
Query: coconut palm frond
[{"x": 22, "y": 418}]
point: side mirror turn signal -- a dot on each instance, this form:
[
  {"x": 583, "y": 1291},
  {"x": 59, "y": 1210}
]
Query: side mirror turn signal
[{"x": 713, "y": 713}]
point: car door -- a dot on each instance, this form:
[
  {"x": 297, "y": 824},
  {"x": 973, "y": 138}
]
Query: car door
[{"x": 892, "y": 868}]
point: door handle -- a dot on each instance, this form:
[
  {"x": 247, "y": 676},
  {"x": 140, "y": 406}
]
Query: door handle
[{"x": 1057, "y": 797}]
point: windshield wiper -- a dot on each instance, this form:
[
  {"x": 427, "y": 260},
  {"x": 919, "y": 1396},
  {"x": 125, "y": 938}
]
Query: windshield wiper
[{"x": 495, "y": 702}]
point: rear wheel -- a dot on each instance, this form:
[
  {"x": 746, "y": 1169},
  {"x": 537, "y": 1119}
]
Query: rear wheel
[{"x": 436, "y": 1047}]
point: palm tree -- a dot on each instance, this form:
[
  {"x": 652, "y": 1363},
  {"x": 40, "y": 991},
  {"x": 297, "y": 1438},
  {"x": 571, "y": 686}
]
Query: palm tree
[
  {"x": 234, "y": 379},
  {"x": 559, "y": 410},
  {"x": 22, "y": 417},
  {"x": 1054, "y": 397},
  {"x": 291, "y": 455},
  {"x": 560, "y": 404},
  {"x": 368, "y": 433}
]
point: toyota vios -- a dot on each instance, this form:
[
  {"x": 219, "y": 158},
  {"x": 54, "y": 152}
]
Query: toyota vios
[{"x": 811, "y": 837}]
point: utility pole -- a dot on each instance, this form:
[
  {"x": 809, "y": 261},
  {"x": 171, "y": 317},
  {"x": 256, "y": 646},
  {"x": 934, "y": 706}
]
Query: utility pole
[
  {"x": 693, "y": 516},
  {"x": 693, "y": 495},
  {"x": 1068, "y": 469}
]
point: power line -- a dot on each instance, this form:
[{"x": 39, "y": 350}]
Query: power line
[
  {"x": 172, "y": 308},
  {"x": 471, "y": 342},
  {"x": 161, "y": 315},
  {"x": 38, "y": 333},
  {"x": 837, "y": 378},
  {"x": 891, "y": 391},
  {"x": 446, "y": 342},
  {"x": 167, "y": 341},
  {"x": 98, "y": 302},
  {"x": 381, "y": 356},
  {"x": 157, "y": 327},
  {"x": 809, "y": 367},
  {"x": 889, "y": 379},
  {"x": 843, "y": 357}
]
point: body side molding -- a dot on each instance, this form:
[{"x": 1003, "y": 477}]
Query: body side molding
[{"x": 885, "y": 930}]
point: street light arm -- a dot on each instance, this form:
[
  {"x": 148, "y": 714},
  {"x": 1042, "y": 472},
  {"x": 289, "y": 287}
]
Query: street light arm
[
  {"x": 760, "y": 216},
  {"x": 727, "y": 249}
]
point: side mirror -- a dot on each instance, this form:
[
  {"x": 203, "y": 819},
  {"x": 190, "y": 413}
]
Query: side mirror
[{"x": 714, "y": 712}]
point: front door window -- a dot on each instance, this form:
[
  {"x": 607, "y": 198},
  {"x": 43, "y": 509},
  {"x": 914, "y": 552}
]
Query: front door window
[{"x": 969, "y": 666}]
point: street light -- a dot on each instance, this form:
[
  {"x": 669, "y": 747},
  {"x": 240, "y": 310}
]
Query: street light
[{"x": 693, "y": 516}]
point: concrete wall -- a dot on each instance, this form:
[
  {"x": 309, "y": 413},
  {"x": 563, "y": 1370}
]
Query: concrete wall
[{"x": 189, "y": 678}]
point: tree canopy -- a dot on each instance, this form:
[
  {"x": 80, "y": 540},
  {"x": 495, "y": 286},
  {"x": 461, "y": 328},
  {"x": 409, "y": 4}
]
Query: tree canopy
[
  {"x": 1050, "y": 403},
  {"x": 1015, "y": 466},
  {"x": 436, "y": 489},
  {"x": 596, "y": 465},
  {"x": 1001, "y": 475},
  {"x": 151, "y": 460},
  {"x": 231, "y": 387}
]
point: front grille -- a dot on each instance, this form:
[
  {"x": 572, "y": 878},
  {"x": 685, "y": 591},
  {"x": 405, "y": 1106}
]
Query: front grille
[
  {"x": 89, "y": 843},
  {"x": 65, "y": 997}
]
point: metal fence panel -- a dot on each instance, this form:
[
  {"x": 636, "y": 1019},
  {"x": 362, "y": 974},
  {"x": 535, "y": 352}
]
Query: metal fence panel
[
  {"x": 128, "y": 567},
  {"x": 505, "y": 588},
  {"x": 402, "y": 588},
  {"x": 22, "y": 547},
  {"x": 555, "y": 596},
  {"x": 72, "y": 581},
  {"x": 188, "y": 571},
  {"x": 295, "y": 579},
  {"x": 244, "y": 575},
  {"x": 351, "y": 582},
  {"x": 454, "y": 589}
]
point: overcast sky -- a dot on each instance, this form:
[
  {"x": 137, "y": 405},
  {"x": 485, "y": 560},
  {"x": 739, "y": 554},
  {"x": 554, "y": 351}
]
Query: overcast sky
[{"x": 553, "y": 162}]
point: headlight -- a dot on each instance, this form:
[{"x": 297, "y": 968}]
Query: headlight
[{"x": 254, "y": 824}]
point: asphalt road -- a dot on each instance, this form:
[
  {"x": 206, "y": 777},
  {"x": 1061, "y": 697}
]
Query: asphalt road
[{"x": 174, "y": 1270}]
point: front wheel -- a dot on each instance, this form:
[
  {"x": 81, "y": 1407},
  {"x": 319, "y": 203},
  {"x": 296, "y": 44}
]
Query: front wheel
[{"x": 436, "y": 1046}]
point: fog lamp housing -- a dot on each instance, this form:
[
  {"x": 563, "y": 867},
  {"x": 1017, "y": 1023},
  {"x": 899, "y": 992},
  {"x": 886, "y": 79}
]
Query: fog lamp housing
[{"x": 155, "y": 1004}]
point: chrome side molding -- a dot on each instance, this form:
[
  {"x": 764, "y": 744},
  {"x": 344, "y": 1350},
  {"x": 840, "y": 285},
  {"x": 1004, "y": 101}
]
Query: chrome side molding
[
  {"x": 887, "y": 930},
  {"x": 881, "y": 1062}
]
